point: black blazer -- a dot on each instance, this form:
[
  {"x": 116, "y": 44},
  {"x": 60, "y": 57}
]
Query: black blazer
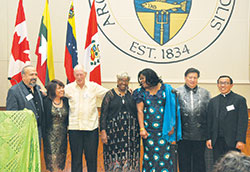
[
  {"x": 17, "y": 98},
  {"x": 46, "y": 120},
  {"x": 235, "y": 123}
]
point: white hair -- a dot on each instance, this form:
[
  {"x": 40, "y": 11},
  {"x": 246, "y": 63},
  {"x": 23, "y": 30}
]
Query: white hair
[
  {"x": 123, "y": 75},
  {"x": 79, "y": 67}
]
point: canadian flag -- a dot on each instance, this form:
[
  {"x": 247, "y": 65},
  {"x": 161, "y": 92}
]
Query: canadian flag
[
  {"x": 92, "y": 62},
  {"x": 20, "y": 47}
]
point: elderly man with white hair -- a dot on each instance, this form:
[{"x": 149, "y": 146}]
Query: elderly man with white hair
[{"x": 83, "y": 119}]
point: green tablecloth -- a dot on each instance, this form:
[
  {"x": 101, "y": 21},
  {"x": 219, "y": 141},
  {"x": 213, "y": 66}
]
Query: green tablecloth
[{"x": 19, "y": 143}]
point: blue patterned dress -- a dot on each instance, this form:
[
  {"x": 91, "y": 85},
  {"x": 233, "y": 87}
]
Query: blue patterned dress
[{"x": 156, "y": 156}]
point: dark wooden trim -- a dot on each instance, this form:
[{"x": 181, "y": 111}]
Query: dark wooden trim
[{"x": 2, "y": 108}]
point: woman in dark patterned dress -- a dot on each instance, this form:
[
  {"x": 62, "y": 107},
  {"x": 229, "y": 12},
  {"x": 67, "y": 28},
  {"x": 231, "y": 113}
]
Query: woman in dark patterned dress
[
  {"x": 119, "y": 129},
  {"x": 55, "y": 122},
  {"x": 151, "y": 99}
]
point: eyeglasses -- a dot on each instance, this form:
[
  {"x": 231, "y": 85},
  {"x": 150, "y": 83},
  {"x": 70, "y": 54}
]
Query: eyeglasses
[{"x": 224, "y": 83}]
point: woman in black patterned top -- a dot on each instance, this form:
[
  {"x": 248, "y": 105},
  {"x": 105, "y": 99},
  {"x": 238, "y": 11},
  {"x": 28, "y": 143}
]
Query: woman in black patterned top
[
  {"x": 55, "y": 122},
  {"x": 119, "y": 128}
]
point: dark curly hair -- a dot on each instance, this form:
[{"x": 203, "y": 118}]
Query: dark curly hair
[{"x": 152, "y": 78}]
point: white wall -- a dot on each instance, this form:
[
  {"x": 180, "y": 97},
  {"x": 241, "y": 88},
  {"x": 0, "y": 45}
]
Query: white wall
[{"x": 58, "y": 15}]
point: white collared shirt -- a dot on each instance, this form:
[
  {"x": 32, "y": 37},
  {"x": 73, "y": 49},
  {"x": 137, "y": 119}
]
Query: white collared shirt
[{"x": 83, "y": 114}]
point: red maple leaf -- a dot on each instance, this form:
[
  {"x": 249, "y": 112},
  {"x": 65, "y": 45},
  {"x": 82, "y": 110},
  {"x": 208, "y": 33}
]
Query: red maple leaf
[{"x": 18, "y": 49}]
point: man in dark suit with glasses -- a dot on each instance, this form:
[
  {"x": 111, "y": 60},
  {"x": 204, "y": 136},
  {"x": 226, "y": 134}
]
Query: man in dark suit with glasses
[{"x": 227, "y": 119}]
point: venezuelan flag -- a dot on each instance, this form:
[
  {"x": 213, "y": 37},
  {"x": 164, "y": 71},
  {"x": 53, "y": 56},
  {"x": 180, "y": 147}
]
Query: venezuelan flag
[{"x": 71, "y": 59}]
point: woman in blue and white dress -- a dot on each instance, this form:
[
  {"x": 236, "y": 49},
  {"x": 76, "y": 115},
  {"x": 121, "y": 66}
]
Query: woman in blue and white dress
[{"x": 151, "y": 99}]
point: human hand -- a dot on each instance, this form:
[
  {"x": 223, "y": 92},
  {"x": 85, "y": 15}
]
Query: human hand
[
  {"x": 43, "y": 91},
  {"x": 209, "y": 144},
  {"x": 171, "y": 132},
  {"x": 104, "y": 137},
  {"x": 130, "y": 90},
  {"x": 143, "y": 133},
  {"x": 240, "y": 145}
]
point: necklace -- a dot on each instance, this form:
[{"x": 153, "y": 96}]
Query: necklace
[
  {"x": 59, "y": 112},
  {"x": 122, "y": 96},
  {"x": 57, "y": 103},
  {"x": 123, "y": 100}
]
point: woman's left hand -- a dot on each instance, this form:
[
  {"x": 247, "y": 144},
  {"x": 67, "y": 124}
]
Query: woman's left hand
[{"x": 171, "y": 132}]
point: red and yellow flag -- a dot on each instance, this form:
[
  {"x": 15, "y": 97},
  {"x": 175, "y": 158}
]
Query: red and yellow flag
[
  {"x": 44, "y": 52},
  {"x": 71, "y": 59}
]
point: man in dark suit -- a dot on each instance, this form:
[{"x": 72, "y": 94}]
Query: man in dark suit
[
  {"x": 27, "y": 94},
  {"x": 227, "y": 120}
]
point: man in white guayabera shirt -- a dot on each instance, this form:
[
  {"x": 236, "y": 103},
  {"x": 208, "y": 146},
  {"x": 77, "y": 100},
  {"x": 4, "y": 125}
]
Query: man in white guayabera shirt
[{"x": 83, "y": 119}]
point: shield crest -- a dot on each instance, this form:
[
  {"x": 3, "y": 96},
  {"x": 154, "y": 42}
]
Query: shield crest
[{"x": 162, "y": 19}]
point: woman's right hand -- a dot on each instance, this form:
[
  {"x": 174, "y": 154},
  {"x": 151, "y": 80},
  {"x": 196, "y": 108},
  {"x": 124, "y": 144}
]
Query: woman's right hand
[
  {"x": 104, "y": 137},
  {"x": 143, "y": 133}
]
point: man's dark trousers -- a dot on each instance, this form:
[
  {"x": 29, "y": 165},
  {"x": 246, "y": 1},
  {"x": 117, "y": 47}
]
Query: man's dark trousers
[{"x": 86, "y": 141}]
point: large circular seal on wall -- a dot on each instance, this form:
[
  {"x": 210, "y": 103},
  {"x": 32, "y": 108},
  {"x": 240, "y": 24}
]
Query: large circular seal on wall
[{"x": 163, "y": 31}]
